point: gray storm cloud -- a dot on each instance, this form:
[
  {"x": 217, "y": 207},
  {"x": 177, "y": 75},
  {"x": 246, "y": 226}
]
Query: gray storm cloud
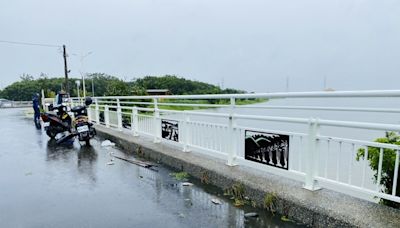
[{"x": 248, "y": 44}]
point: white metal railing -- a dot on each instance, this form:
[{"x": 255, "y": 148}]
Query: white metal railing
[
  {"x": 15, "y": 104},
  {"x": 316, "y": 159}
]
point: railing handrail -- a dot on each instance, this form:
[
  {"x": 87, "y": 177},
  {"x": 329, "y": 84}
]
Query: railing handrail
[
  {"x": 316, "y": 94},
  {"x": 321, "y": 108},
  {"x": 322, "y": 122},
  {"x": 234, "y": 133}
]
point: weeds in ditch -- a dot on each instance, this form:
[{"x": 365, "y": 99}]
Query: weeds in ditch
[
  {"x": 205, "y": 179},
  {"x": 237, "y": 193},
  {"x": 269, "y": 202},
  {"x": 139, "y": 151},
  {"x": 180, "y": 175}
]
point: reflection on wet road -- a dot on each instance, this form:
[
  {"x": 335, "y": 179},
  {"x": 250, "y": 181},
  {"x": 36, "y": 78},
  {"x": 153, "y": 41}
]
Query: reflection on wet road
[{"x": 46, "y": 185}]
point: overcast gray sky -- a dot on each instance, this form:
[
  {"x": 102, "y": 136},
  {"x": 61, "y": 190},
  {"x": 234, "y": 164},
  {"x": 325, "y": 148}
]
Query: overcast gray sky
[{"x": 249, "y": 44}]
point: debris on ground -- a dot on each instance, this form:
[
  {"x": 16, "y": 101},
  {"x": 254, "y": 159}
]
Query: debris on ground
[
  {"x": 139, "y": 163},
  {"x": 251, "y": 214},
  {"x": 216, "y": 201},
  {"x": 110, "y": 163},
  {"x": 28, "y": 173},
  {"x": 181, "y": 215},
  {"x": 187, "y": 184},
  {"x": 107, "y": 143}
]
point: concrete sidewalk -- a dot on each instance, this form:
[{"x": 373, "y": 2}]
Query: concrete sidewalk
[{"x": 323, "y": 208}]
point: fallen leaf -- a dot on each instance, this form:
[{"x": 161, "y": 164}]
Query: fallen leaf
[{"x": 285, "y": 219}]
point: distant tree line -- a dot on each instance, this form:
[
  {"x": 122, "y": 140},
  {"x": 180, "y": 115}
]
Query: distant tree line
[{"x": 107, "y": 85}]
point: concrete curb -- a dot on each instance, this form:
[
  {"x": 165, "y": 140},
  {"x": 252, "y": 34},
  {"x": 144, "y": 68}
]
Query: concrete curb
[{"x": 323, "y": 208}]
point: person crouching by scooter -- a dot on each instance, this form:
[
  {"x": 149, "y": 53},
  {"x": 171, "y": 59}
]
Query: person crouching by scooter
[{"x": 36, "y": 109}]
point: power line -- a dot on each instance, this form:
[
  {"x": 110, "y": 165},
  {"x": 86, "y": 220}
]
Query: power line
[
  {"x": 46, "y": 45},
  {"x": 31, "y": 44}
]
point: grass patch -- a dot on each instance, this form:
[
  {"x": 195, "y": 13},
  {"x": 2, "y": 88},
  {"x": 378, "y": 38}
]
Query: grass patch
[
  {"x": 237, "y": 193},
  {"x": 208, "y": 102},
  {"x": 180, "y": 175},
  {"x": 269, "y": 201}
]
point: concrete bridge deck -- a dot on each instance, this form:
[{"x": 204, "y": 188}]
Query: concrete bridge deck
[
  {"x": 43, "y": 184},
  {"x": 322, "y": 208}
]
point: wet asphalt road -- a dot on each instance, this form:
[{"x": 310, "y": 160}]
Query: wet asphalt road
[{"x": 45, "y": 185}]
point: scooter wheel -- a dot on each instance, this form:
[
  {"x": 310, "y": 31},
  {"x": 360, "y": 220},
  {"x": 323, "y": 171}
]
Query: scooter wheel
[{"x": 51, "y": 133}]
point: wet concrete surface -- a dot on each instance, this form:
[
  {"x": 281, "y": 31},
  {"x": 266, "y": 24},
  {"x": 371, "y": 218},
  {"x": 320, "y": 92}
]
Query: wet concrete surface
[{"x": 46, "y": 185}]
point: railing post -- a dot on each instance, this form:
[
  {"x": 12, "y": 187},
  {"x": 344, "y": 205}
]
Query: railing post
[
  {"x": 311, "y": 156},
  {"x": 42, "y": 101},
  {"x": 135, "y": 122},
  {"x": 107, "y": 116},
  {"x": 119, "y": 115},
  {"x": 232, "y": 153},
  {"x": 97, "y": 112},
  {"x": 89, "y": 114},
  {"x": 186, "y": 132},
  {"x": 157, "y": 122}
]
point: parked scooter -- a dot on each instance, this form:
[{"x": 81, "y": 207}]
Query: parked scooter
[
  {"x": 63, "y": 128},
  {"x": 58, "y": 125},
  {"x": 81, "y": 125}
]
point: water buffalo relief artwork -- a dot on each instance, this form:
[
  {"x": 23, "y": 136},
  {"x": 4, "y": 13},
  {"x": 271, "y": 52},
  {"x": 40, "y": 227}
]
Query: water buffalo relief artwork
[{"x": 267, "y": 148}]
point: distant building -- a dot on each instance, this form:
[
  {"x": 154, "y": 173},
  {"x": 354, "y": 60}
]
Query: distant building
[{"x": 158, "y": 92}]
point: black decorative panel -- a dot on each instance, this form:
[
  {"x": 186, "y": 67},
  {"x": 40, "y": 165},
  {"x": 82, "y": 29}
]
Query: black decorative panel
[
  {"x": 170, "y": 130},
  {"x": 267, "y": 148}
]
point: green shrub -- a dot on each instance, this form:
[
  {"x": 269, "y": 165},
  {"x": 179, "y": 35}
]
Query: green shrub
[{"x": 388, "y": 165}]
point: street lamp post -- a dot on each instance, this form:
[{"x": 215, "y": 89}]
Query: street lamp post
[
  {"x": 78, "y": 83},
  {"x": 81, "y": 71},
  {"x": 83, "y": 74},
  {"x": 92, "y": 86},
  {"x": 84, "y": 89}
]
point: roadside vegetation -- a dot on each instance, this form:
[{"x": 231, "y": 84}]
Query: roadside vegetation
[
  {"x": 388, "y": 165},
  {"x": 107, "y": 85}
]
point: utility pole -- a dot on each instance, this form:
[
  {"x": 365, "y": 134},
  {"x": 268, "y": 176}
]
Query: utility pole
[{"x": 65, "y": 69}]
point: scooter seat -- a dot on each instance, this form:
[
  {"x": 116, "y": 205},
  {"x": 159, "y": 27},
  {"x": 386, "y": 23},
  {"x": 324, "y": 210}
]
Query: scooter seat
[{"x": 78, "y": 109}]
